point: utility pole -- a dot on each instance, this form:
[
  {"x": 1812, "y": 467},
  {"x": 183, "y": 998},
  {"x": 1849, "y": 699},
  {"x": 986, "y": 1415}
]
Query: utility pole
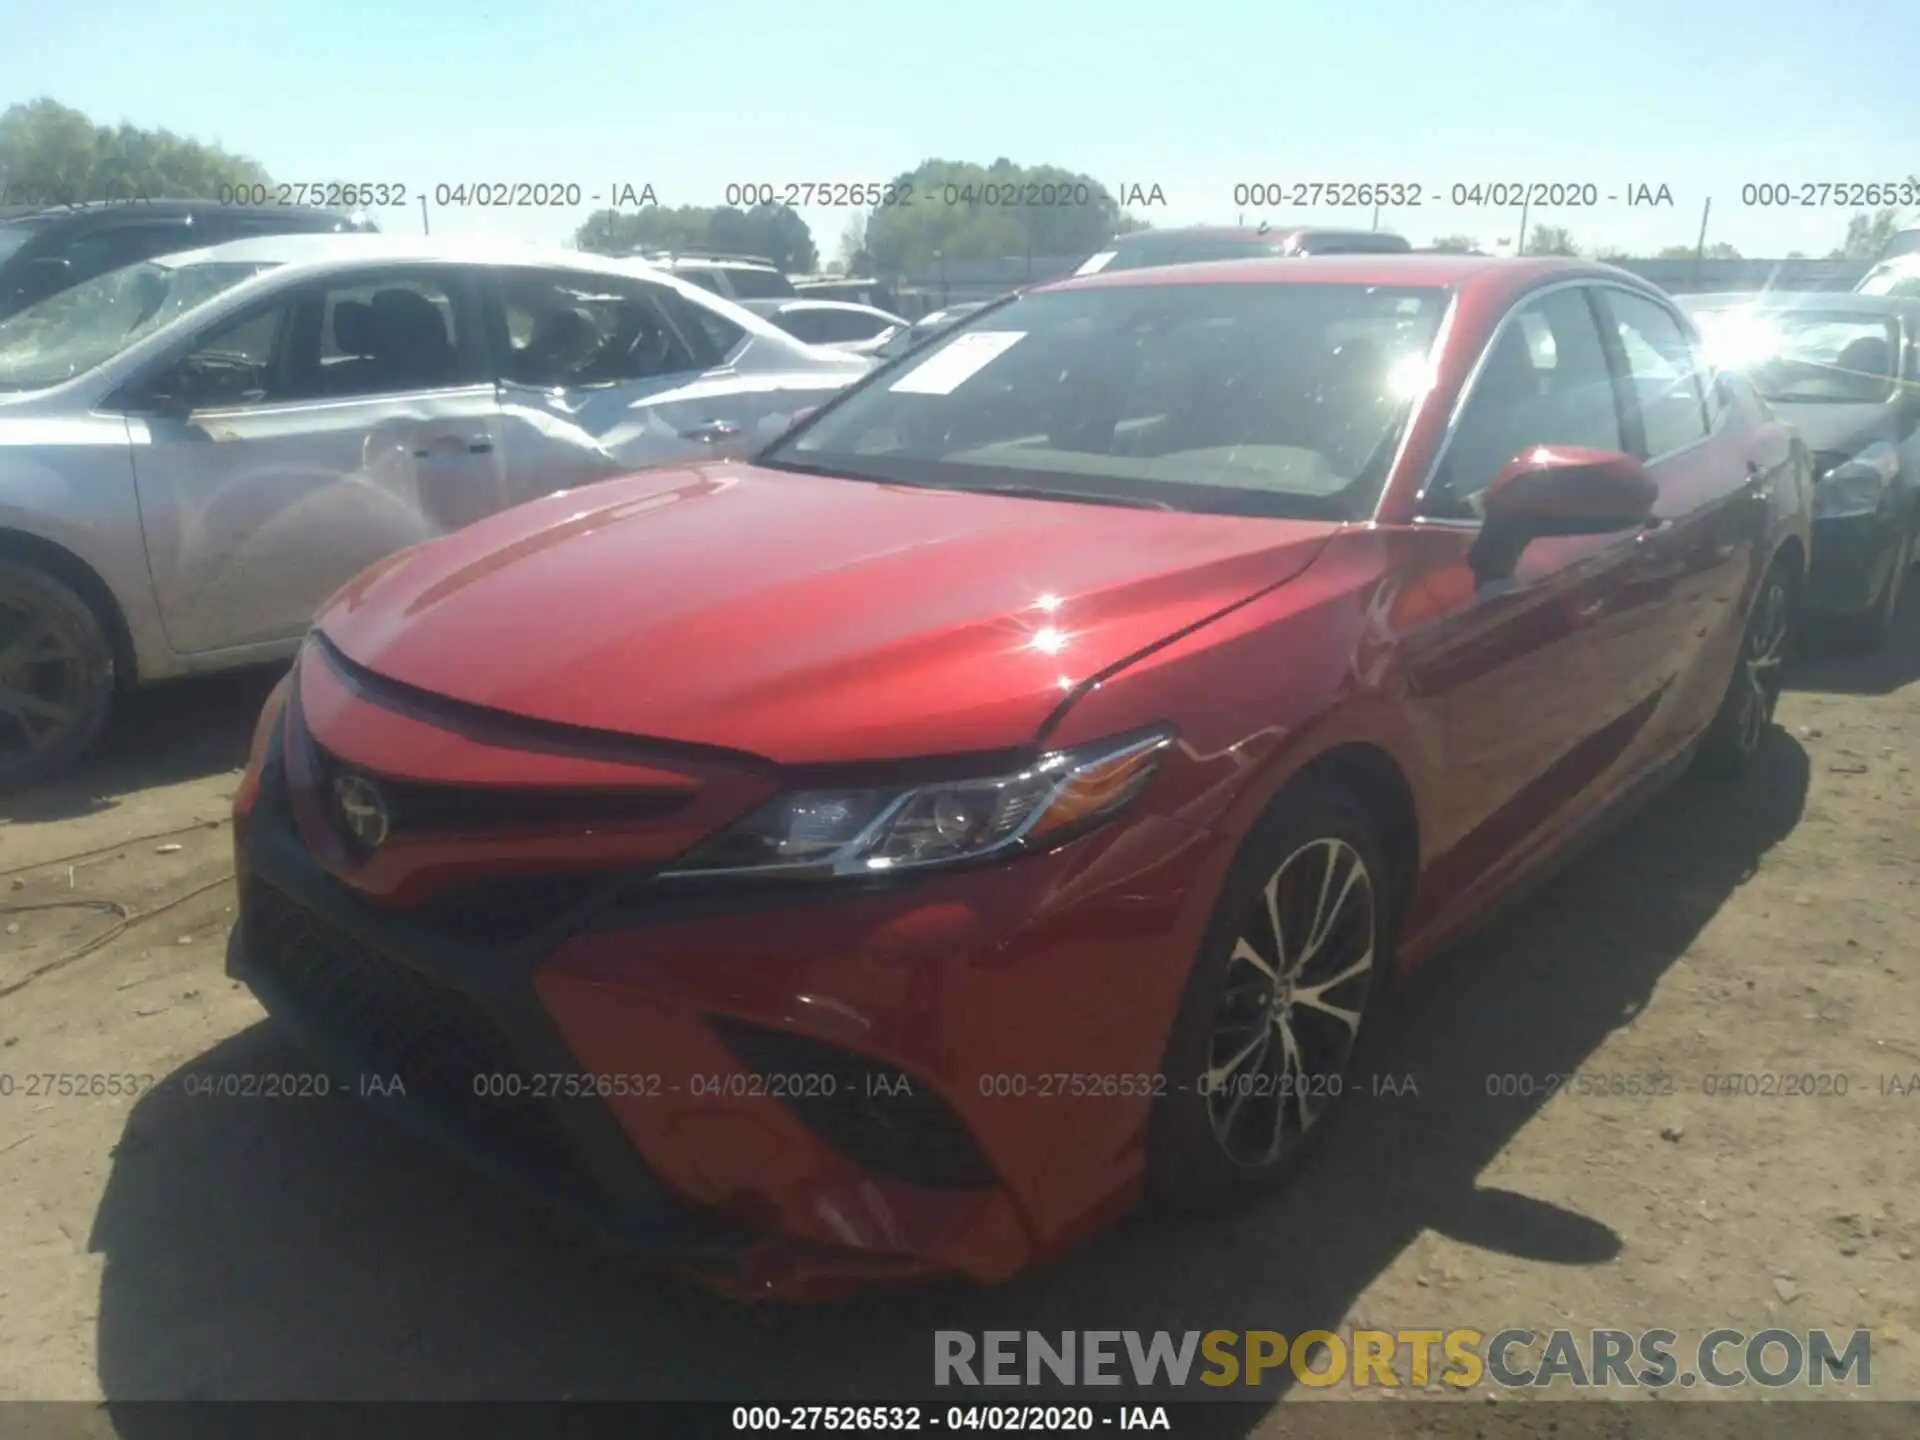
[
  {"x": 1525, "y": 203},
  {"x": 1700, "y": 248},
  {"x": 425, "y": 228},
  {"x": 1376, "y": 217}
]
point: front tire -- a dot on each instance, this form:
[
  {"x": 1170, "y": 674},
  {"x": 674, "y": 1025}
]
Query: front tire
[
  {"x": 1293, "y": 966},
  {"x": 1753, "y": 692},
  {"x": 1867, "y": 632},
  {"x": 56, "y": 675}
]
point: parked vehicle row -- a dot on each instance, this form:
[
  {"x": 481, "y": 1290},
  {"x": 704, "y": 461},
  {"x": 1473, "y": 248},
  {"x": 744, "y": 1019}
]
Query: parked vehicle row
[
  {"x": 195, "y": 451},
  {"x": 1013, "y": 792}
]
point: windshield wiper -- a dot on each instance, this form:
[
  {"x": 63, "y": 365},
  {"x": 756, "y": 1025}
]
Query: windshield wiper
[{"x": 1079, "y": 497}]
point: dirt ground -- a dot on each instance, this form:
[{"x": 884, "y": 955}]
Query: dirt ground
[{"x": 171, "y": 1246}]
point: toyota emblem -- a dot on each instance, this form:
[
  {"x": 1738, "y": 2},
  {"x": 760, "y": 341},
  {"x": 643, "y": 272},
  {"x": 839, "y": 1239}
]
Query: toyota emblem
[{"x": 363, "y": 810}]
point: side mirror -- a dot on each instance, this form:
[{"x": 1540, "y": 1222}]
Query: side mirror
[{"x": 1559, "y": 490}]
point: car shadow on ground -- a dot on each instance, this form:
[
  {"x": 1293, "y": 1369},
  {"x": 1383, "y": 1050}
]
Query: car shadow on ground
[
  {"x": 267, "y": 1249},
  {"x": 176, "y": 731},
  {"x": 1822, "y": 660}
]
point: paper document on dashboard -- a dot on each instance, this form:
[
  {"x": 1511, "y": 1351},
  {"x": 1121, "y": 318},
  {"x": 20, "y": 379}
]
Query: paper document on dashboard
[{"x": 963, "y": 357}]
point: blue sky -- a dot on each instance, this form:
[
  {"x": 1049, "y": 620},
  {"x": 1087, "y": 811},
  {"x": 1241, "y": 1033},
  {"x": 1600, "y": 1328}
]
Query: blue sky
[{"x": 1195, "y": 97}]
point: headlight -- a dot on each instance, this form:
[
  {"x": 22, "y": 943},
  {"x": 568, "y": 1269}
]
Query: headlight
[
  {"x": 1856, "y": 485},
  {"x": 819, "y": 834}
]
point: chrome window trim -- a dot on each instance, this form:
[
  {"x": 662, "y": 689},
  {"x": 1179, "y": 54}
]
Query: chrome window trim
[
  {"x": 1472, "y": 382},
  {"x": 1435, "y": 349}
]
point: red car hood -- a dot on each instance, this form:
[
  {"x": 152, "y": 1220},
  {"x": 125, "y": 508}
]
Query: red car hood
[{"x": 802, "y": 618}]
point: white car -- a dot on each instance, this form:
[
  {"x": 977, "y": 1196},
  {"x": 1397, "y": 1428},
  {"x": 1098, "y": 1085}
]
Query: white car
[
  {"x": 861, "y": 329},
  {"x": 196, "y": 451},
  {"x": 1898, "y": 277}
]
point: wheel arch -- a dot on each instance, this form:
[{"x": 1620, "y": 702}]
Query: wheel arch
[
  {"x": 1374, "y": 779},
  {"x": 61, "y": 563}
]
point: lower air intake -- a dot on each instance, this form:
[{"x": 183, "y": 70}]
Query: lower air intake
[{"x": 874, "y": 1114}]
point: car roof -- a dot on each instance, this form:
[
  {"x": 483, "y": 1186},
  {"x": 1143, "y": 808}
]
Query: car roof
[
  {"x": 1404, "y": 267},
  {"x": 1274, "y": 233},
  {"x": 356, "y": 248},
  {"x": 321, "y": 252},
  {"x": 715, "y": 262},
  {"x": 803, "y": 303},
  {"x": 134, "y": 209}
]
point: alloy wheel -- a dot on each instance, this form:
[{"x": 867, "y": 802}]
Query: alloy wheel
[
  {"x": 1297, "y": 983},
  {"x": 43, "y": 683},
  {"x": 1762, "y": 663}
]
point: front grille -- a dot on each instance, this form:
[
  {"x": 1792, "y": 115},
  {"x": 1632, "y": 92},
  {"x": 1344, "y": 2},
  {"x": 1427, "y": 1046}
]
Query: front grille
[
  {"x": 876, "y": 1115},
  {"x": 399, "y": 1022},
  {"x": 506, "y": 910},
  {"x": 416, "y": 807}
]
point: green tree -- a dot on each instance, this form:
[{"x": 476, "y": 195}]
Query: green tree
[
  {"x": 1550, "y": 240},
  {"x": 1612, "y": 254},
  {"x": 852, "y": 255},
  {"x": 1719, "y": 250},
  {"x": 1868, "y": 234},
  {"x": 51, "y": 153},
  {"x": 1456, "y": 244},
  {"x": 773, "y": 231},
  {"x": 959, "y": 212}
]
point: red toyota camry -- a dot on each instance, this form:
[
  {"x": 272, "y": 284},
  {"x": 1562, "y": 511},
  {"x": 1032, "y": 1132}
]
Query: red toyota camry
[{"x": 1011, "y": 794}]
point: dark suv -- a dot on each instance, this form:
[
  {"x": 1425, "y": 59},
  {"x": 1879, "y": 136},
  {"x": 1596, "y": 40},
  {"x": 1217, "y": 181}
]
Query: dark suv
[{"x": 45, "y": 250}]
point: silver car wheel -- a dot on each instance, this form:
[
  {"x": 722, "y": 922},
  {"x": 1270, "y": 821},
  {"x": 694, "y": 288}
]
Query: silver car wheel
[{"x": 1289, "y": 1016}]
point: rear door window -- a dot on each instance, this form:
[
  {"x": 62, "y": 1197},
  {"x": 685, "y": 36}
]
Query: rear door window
[
  {"x": 828, "y": 327},
  {"x": 572, "y": 328},
  {"x": 1664, "y": 370}
]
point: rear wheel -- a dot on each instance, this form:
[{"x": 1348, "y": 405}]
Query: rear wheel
[
  {"x": 1292, "y": 967},
  {"x": 56, "y": 675},
  {"x": 1734, "y": 737}
]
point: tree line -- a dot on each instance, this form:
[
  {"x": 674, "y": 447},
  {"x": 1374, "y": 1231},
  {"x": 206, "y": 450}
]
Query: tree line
[{"x": 941, "y": 210}]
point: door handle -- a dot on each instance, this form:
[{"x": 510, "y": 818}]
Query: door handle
[
  {"x": 453, "y": 444},
  {"x": 712, "y": 432}
]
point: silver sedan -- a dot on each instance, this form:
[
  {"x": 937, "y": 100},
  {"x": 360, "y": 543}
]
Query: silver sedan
[{"x": 196, "y": 451}]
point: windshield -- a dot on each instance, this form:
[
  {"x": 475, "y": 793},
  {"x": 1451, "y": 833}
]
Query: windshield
[
  {"x": 1810, "y": 357},
  {"x": 1275, "y": 400},
  {"x": 12, "y": 237},
  {"x": 759, "y": 284},
  {"x": 83, "y": 327}
]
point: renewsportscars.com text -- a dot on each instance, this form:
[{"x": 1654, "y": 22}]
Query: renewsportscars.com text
[{"x": 1389, "y": 1359}]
